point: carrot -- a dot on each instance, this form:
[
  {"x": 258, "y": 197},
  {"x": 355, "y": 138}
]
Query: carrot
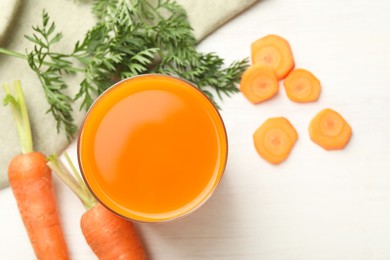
[
  {"x": 330, "y": 130},
  {"x": 259, "y": 83},
  {"x": 274, "y": 139},
  {"x": 108, "y": 235},
  {"x": 31, "y": 183},
  {"x": 302, "y": 86},
  {"x": 275, "y": 52}
]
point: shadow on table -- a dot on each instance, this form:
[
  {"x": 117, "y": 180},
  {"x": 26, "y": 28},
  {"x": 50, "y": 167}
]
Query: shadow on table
[{"x": 207, "y": 228}]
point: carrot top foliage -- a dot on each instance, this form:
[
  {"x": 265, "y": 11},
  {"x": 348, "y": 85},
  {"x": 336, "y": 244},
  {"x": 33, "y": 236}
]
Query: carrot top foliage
[{"x": 129, "y": 38}]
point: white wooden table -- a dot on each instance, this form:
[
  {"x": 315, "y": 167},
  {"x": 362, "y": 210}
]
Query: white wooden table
[{"x": 316, "y": 205}]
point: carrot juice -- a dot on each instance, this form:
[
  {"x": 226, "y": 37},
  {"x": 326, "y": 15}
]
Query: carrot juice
[{"x": 152, "y": 148}]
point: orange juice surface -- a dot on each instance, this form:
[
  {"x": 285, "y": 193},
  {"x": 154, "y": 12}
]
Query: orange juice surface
[{"x": 152, "y": 148}]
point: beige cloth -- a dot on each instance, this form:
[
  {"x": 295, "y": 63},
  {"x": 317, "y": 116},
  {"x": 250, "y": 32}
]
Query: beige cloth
[
  {"x": 73, "y": 19},
  {"x": 8, "y": 10}
]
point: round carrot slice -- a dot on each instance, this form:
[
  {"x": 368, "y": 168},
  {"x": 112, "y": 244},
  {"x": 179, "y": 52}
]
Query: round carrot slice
[
  {"x": 275, "y": 52},
  {"x": 274, "y": 139},
  {"x": 259, "y": 83},
  {"x": 330, "y": 130},
  {"x": 302, "y": 86}
]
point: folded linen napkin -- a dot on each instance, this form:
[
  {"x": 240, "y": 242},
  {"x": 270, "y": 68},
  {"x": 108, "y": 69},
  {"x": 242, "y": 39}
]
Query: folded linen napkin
[{"x": 205, "y": 16}]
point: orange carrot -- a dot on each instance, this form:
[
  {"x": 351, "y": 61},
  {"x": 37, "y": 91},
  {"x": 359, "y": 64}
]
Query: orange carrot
[
  {"x": 259, "y": 83},
  {"x": 274, "y": 139},
  {"x": 330, "y": 130},
  {"x": 275, "y": 52},
  {"x": 302, "y": 86},
  {"x": 31, "y": 183},
  {"x": 108, "y": 235}
]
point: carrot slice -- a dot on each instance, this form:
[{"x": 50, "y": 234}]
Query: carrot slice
[
  {"x": 330, "y": 130},
  {"x": 259, "y": 83},
  {"x": 274, "y": 139},
  {"x": 302, "y": 86},
  {"x": 275, "y": 52}
]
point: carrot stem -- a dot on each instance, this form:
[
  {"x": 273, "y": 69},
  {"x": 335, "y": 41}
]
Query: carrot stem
[
  {"x": 19, "y": 111},
  {"x": 76, "y": 173},
  {"x": 57, "y": 166},
  {"x": 91, "y": 199},
  {"x": 13, "y": 53},
  {"x": 23, "y": 56}
]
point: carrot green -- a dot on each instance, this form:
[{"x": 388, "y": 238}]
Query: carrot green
[{"x": 129, "y": 38}]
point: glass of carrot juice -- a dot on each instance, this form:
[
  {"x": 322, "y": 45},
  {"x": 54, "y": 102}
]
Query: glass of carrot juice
[{"x": 152, "y": 148}]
